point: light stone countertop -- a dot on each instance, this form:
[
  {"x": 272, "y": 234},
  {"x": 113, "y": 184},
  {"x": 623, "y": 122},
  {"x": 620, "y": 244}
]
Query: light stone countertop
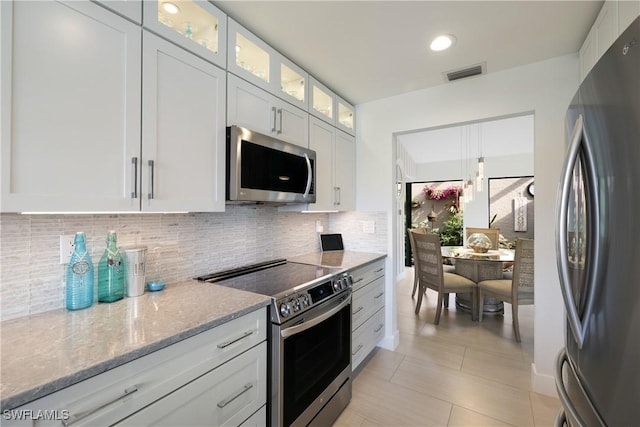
[
  {"x": 338, "y": 259},
  {"x": 47, "y": 352}
]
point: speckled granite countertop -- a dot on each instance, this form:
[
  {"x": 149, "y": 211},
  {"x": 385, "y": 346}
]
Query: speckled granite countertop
[
  {"x": 338, "y": 259},
  {"x": 44, "y": 353}
]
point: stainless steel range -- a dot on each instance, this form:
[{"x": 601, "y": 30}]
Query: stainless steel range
[{"x": 310, "y": 375}]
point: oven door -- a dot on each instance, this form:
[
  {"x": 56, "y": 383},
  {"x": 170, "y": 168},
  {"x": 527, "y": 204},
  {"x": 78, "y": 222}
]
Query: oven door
[{"x": 312, "y": 364}]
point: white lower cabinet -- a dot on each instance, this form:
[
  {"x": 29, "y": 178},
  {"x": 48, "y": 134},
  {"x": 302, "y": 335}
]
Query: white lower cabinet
[
  {"x": 367, "y": 310},
  {"x": 258, "y": 110},
  {"x": 366, "y": 338},
  {"x": 226, "y": 396},
  {"x": 217, "y": 377}
]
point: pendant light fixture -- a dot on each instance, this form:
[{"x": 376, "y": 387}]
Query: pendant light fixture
[{"x": 480, "y": 173}]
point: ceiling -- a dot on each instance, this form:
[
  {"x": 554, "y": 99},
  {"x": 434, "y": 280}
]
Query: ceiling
[
  {"x": 368, "y": 50},
  {"x": 492, "y": 138}
]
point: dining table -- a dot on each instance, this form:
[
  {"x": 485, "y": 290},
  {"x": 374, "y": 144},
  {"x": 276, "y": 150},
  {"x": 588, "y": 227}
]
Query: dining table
[{"x": 479, "y": 266}]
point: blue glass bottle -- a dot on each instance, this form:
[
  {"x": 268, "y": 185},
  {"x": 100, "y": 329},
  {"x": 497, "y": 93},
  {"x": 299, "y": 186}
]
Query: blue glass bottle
[
  {"x": 111, "y": 272},
  {"x": 79, "y": 276}
]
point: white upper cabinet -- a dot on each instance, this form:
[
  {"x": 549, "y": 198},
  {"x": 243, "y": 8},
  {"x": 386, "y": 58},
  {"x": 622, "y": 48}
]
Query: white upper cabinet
[
  {"x": 196, "y": 25},
  {"x": 344, "y": 161},
  {"x": 131, "y": 9},
  {"x": 255, "y": 61},
  {"x": 322, "y": 101},
  {"x": 70, "y": 91},
  {"x": 345, "y": 116},
  {"x": 328, "y": 106},
  {"x": 613, "y": 19},
  {"x": 183, "y": 134},
  {"x": 335, "y": 172},
  {"x": 251, "y": 107}
]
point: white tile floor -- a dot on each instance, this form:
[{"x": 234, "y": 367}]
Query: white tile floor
[{"x": 459, "y": 373}]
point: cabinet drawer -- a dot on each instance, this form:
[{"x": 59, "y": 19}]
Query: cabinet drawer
[
  {"x": 366, "y": 338},
  {"x": 226, "y": 396},
  {"x": 366, "y": 301},
  {"x": 119, "y": 392},
  {"x": 258, "y": 419},
  {"x": 367, "y": 274}
]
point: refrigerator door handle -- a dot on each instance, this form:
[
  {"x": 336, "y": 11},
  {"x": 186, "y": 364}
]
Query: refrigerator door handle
[
  {"x": 567, "y": 406},
  {"x": 578, "y": 140}
]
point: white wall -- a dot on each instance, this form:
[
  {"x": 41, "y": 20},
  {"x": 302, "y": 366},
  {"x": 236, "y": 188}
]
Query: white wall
[
  {"x": 543, "y": 88},
  {"x": 476, "y": 212}
]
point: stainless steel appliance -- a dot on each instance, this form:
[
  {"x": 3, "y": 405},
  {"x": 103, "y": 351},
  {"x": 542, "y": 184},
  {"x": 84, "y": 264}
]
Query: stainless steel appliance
[
  {"x": 135, "y": 269},
  {"x": 264, "y": 169},
  {"x": 310, "y": 375},
  {"x": 598, "y": 243}
]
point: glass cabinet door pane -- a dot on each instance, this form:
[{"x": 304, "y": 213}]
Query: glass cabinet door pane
[
  {"x": 322, "y": 102},
  {"x": 252, "y": 58},
  {"x": 292, "y": 83},
  {"x": 191, "y": 21},
  {"x": 345, "y": 115}
]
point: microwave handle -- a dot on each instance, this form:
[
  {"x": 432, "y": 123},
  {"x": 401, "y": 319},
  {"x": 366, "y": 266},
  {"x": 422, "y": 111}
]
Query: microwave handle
[{"x": 309, "y": 176}]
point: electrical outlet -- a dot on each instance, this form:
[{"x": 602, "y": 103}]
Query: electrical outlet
[
  {"x": 319, "y": 227},
  {"x": 67, "y": 245}
]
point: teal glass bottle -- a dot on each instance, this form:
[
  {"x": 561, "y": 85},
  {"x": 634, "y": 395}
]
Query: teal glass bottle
[
  {"x": 79, "y": 292},
  {"x": 111, "y": 271}
]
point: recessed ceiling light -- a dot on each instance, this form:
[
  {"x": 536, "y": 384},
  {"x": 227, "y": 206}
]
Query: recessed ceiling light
[
  {"x": 442, "y": 42},
  {"x": 170, "y": 8}
]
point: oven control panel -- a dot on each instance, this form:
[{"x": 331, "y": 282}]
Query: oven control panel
[{"x": 303, "y": 300}]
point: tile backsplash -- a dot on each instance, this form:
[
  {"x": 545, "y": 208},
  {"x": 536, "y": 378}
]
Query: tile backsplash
[{"x": 179, "y": 245}]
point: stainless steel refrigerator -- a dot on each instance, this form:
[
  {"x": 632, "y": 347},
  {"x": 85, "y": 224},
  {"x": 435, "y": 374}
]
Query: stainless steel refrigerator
[{"x": 598, "y": 243}]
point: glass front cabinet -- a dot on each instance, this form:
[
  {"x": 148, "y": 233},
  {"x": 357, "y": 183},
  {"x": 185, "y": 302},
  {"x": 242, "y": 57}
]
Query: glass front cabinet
[
  {"x": 196, "y": 25},
  {"x": 328, "y": 106},
  {"x": 255, "y": 61},
  {"x": 346, "y": 116}
]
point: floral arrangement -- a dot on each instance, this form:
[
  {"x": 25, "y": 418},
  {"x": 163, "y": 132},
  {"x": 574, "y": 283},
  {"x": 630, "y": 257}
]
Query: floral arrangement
[{"x": 436, "y": 194}]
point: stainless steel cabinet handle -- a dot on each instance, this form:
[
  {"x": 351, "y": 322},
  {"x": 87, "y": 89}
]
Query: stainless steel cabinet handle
[
  {"x": 228, "y": 400},
  {"x": 273, "y": 110},
  {"x": 309, "y": 176},
  {"x": 280, "y": 114},
  {"x": 353, "y": 353},
  {"x": 358, "y": 310},
  {"x": 578, "y": 140},
  {"x": 380, "y": 326},
  {"x": 74, "y": 418},
  {"x": 339, "y": 195},
  {"x": 359, "y": 280},
  {"x": 151, "y": 175},
  {"x": 134, "y": 172},
  {"x": 379, "y": 270},
  {"x": 234, "y": 340},
  {"x": 379, "y": 295}
]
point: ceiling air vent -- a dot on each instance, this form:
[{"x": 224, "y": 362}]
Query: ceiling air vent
[{"x": 463, "y": 73}]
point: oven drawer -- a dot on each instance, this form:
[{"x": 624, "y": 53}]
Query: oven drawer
[
  {"x": 367, "y": 274},
  {"x": 366, "y": 338},
  {"x": 226, "y": 396},
  {"x": 366, "y": 301},
  {"x": 119, "y": 392}
]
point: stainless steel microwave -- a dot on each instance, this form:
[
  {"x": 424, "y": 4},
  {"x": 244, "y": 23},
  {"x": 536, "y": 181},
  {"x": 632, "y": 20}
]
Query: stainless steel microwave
[{"x": 265, "y": 169}]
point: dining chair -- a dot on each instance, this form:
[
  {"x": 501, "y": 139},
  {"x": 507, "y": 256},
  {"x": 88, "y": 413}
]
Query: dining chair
[
  {"x": 428, "y": 263},
  {"x": 420, "y": 230},
  {"x": 517, "y": 291},
  {"x": 492, "y": 233}
]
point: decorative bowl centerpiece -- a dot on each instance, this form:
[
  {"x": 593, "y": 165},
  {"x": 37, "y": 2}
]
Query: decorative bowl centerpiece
[{"x": 479, "y": 242}]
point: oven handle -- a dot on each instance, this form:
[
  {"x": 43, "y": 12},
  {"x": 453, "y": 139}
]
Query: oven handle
[{"x": 293, "y": 330}]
